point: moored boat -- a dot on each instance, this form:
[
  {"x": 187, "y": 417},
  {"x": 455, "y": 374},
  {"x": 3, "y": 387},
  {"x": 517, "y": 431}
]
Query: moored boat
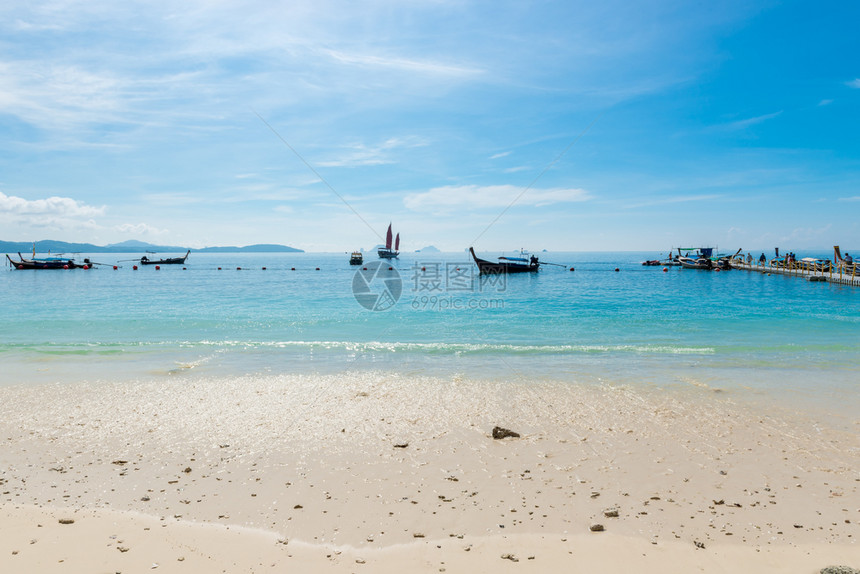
[
  {"x": 845, "y": 264},
  {"x": 701, "y": 259},
  {"x": 506, "y": 264},
  {"x": 668, "y": 261},
  {"x": 388, "y": 252},
  {"x": 53, "y": 262},
  {"x": 166, "y": 261},
  {"x": 356, "y": 258}
]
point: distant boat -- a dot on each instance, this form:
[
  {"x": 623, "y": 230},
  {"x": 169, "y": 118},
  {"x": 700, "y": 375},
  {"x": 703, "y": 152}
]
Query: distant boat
[
  {"x": 524, "y": 264},
  {"x": 701, "y": 259},
  {"x": 53, "y": 262},
  {"x": 356, "y": 258},
  {"x": 669, "y": 261},
  {"x": 704, "y": 258},
  {"x": 387, "y": 252},
  {"x": 167, "y": 261}
]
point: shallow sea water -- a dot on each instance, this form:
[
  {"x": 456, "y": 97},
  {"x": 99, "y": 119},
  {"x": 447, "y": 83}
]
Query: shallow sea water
[{"x": 767, "y": 338}]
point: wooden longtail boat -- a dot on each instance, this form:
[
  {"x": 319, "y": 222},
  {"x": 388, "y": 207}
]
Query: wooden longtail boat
[
  {"x": 48, "y": 263},
  {"x": 506, "y": 264},
  {"x": 844, "y": 265},
  {"x": 168, "y": 261}
]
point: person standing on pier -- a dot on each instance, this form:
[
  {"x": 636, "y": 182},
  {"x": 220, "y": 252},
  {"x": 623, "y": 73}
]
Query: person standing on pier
[{"x": 762, "y": 259}]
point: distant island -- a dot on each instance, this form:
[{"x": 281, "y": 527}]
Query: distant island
[
  {"x": 428, "y": 249},
  {"x": 132, "y": 246}
]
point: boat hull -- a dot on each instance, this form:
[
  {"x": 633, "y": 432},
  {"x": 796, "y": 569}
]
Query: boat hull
[
  {"x": 37, "y": 264},
  {"x": 490, "y": 268},
  {"x": 169, "y": 261},
  {"x": 688, "y": 263},
  {"x": 388, "y": 254}
]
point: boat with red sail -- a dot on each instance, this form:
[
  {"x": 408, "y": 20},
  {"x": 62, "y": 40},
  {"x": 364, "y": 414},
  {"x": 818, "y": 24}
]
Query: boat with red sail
[{"x": 389, "y": 251}]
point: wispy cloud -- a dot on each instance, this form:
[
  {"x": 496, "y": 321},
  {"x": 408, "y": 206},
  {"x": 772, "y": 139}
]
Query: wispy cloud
[
  {"x": 492, "y": 196},
  {"x": 136, "y": 229},
  {"x": 360, "y": 154},
  {"x": 853, "y": 198},
  {"x": 671, "y": 200},
  {"x": 854, "y": 83},
  {"x": 744, "y": 124},
  {"x": 417, "y": 66}
]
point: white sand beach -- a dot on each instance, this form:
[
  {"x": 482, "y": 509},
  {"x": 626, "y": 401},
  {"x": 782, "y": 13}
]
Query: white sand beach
[{"x": 379, "y": 472}]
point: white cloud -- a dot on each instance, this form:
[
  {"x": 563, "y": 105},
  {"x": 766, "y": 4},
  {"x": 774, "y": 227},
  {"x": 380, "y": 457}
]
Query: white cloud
[
  {"x": 49, "y": 207},
  {"x": 743, "y": 124},
  {"x": 139, "y": 229},
  {"x": 854, "y": 83},
  {"x": 854, "y": 198},
  {"x": 493, "y": 196},
  {"x": 425, "y": 67},
  {"x": 671, "y": 200},
  {"x": 360, "y": 154}
]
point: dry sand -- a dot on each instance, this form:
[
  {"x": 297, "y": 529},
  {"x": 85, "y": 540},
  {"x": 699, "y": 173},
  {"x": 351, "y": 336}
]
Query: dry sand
[{"x": 378, "y": 472}]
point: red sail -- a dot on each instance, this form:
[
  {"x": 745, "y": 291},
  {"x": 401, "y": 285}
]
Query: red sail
[
  {"x": 388, "y": 238},
  {"x": 397, "y": 243}
]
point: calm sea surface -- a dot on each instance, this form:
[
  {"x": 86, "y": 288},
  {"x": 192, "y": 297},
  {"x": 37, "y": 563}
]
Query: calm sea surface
[{"x": 774, "y": 337}]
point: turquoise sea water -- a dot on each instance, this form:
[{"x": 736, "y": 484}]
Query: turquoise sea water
[{"x": 770, "y": 336}]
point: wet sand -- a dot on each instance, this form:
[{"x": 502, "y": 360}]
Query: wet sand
[{"x": 381, "y": 472}]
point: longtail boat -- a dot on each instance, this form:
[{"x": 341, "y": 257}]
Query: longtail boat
[
  {"x": 53, "y": 262},
  {"x": 845, "y": 264},
  {"x": 168, "y": 261},
  {"x": 506, "y": 264}
]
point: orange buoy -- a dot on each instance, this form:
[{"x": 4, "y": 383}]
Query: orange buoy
[
  {"x": 134, "y": 267},
  {"x": 665, "y": 270},
  {"x": 20, "y": 267},
  {"x": 572, "y": 269},
  {"x": 264, "y": 268},
  {"x": 617, "y": 269},
  {"x": 115, "y": 267},
  {"x": 86, "y": 267},
  {"x": 391, "y": 268},
  {"x": 292, "y": 268},
  {"x": 318, "y": 268},
  {"x": 238, "y": 268},
  {"x": 157, "y": 267},
  {"x": 65, "y": 266}
]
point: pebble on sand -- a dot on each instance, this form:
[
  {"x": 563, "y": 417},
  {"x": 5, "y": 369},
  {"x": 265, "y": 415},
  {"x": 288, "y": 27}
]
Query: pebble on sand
[{"x": 500, "y": 433}]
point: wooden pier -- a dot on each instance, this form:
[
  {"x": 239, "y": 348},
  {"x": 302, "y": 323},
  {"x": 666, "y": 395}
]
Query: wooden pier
[{"x": 836, "y": 274}]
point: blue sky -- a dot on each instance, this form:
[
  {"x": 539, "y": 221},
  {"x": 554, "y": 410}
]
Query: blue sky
[{"x": 569, "y": 125}]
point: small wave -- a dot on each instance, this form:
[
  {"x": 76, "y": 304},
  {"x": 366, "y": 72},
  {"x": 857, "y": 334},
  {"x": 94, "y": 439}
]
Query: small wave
[{"x": 466, "y": 348}]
